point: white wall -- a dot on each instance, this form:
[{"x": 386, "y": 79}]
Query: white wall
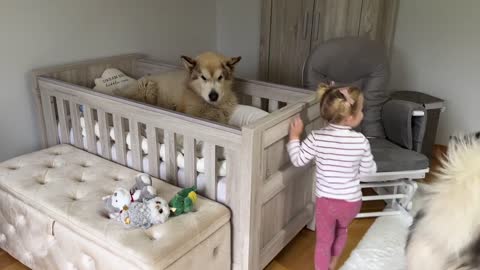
[
  {"x": 437, "y": 51},
  {"x": 37, "y": 33},
  {"x": 238, "y": 33}
]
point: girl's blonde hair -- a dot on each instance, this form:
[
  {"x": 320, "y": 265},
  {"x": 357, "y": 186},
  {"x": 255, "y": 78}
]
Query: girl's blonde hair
[{"x": 335, "y": 106}]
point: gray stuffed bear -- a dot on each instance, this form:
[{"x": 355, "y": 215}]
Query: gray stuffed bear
[
  {"x": 145, "y": 214},
  {"x": 143, "y": 189},
  {"x": 121, "y": 198}
]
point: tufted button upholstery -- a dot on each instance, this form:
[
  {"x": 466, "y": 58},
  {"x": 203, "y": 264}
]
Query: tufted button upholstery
[
  {"x": 71, "y": 266},
  {"x": 67, "y": 197},
  {"x": 88, "y": 262},
  {"x": 28, "y": 256},
  {"x": 20, "y": 221},
  {"x": 3, "y": 238},
  {"x": 9, "y": 229}
]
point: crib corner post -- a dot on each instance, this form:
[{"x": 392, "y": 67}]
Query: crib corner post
[{"x": 247, "y": 237}]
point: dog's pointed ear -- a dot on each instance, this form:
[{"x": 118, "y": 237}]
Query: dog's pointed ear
[
  {"x": 188, "y": 62},
  {"x": 233, "y": 61}
]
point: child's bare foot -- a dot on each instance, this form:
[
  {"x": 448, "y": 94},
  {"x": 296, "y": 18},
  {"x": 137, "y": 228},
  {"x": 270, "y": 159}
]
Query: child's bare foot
[{"x": 333, "y": 263}]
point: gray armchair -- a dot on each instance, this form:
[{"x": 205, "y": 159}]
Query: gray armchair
[{"x": 394, "y": 127}]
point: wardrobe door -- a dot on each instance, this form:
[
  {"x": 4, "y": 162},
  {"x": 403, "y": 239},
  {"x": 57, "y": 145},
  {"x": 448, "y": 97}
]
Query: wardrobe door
[
  {"x": 341, "y": 18},
  {"x": 335, "y": 18},
  {"x": 289, "y": 42},
  {"x": 378, "y": 20}
]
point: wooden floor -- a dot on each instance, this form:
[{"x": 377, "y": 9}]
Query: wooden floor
[
  {"x": 298, "y": 255},
  {"x": 9, "y": 263}
]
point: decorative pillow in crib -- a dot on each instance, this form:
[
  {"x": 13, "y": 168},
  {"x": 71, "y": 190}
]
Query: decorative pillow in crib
[
  {"x": 244, "y": 115},
  {"x": 113, "y": 79}
]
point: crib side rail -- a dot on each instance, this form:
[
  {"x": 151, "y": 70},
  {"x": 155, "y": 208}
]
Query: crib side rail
[
  {"x": 80, "y": 73},
  {"x": 136, "y": 127}
]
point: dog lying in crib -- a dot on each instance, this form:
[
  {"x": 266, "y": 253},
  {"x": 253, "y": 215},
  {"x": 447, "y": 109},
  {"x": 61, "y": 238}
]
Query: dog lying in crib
[
  {"x": 203, "y": 89},
  {"x": 445, "y": 233}
]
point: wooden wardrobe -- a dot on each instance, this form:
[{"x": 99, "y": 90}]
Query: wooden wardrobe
[{"x": 291, "y": 29}]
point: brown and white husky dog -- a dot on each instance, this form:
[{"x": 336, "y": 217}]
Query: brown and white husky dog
[
  {"x": 445, "y": 234},
  {"x": 203, "y": 89}
]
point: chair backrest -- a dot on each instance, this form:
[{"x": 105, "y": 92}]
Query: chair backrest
[{"x": 353, "y": 61}]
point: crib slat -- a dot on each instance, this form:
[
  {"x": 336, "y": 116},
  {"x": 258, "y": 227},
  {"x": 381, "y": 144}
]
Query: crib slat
[
  {"x": 257, "y": 102},
  {"x": 135, "y": 144},
  {"x": 230, "y": 176},
  {"x": 190, "y": 161},
  {"x": 119, "y": 139},
  {"x": 77, "y": 129},
  {"x": 153, "y": 156},
  {"x": 210, "y": 171},
  {"x": 170, "y": 157},
  {"x": 104, "y": 134},
  {"x": 62, "y": 119},
  {"x": 89, "y": 129},
  {"x": 50, "y": 121},
  {"x": 272, "y": 105}
]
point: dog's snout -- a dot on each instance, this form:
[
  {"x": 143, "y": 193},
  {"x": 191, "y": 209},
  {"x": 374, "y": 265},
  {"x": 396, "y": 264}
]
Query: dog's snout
[{"x": 213, "y": 96}]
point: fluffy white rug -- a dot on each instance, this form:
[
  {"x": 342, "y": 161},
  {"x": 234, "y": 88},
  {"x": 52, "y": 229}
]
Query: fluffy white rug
[{"x": 383, "y": 246}]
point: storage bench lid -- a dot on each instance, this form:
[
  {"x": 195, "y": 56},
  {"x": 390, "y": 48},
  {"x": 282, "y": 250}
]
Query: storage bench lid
[{"x": 68, "y": 184}]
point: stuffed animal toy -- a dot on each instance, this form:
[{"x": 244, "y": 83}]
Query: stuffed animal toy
[
  {"x": 145, "y": 214},
  {"x": 143, "y": 188},
  {"x": 184, "y": 201},
  {"x": 122, "y": 198},
  {"x": 115, "y": 203}
]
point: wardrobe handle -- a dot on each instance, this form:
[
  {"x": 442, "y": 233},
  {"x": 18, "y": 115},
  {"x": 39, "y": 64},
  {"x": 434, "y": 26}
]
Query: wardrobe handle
[
  {"x": 305, "y": 26},
  {"x": 316, "y": 25}
]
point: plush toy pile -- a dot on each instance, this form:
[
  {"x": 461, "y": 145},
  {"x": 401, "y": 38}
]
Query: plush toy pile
[{"x": 140, "y": 207}]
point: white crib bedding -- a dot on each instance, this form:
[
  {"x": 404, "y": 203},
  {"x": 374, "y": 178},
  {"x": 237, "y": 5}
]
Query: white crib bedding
[{"x": 242, "y": 115}]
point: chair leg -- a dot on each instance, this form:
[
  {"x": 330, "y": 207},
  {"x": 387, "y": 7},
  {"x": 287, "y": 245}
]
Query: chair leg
[
  {"x": 397, "y": 194},
  {"x": 411, "y": 189}
]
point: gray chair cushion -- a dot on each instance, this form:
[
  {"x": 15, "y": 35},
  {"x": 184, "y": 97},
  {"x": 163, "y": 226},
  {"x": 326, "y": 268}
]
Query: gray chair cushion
[
  {"x": 392, "y": 158},
  {"x": 355, "y": 61},
  {"x": 401, "y": 127}
]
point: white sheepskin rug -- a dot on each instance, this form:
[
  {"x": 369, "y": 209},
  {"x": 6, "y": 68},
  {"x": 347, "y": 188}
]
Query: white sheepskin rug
[{"x": 382, "y": 247}]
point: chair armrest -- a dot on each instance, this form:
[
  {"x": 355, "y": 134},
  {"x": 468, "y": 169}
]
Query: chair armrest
[{"x": 404, "y": 123}]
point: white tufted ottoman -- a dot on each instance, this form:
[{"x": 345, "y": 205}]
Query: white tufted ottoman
[{"x": 51, "y": 218}]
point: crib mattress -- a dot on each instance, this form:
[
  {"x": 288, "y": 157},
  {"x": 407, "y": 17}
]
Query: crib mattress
[{"x": 66, "y": 185}]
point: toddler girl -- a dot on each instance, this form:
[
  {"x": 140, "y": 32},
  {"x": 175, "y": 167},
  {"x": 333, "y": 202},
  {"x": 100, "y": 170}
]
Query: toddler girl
[{"x": 341, "y": 156}]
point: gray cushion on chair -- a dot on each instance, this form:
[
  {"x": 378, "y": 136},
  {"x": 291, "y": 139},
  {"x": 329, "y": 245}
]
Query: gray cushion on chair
[
  {"x": 401, "y": 127},
  {"x": 356, "y": 61},
  {"x": 392, "y": 158}
]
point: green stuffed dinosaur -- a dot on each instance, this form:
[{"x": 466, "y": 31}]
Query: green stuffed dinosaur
[{"x": 183, "y": 202}]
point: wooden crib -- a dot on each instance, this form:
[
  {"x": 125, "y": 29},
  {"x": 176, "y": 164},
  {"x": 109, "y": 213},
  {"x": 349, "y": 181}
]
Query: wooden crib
[{"x": 270, "y": 200}]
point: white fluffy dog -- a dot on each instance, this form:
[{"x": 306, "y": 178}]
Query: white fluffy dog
[{"x": 445, "y": 234}]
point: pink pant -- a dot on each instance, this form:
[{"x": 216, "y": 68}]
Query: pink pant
[{"x": 332, "y": 218}]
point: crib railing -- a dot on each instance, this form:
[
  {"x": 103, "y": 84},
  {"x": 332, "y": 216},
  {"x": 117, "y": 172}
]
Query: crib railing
[{"x": 68, "y": 106}]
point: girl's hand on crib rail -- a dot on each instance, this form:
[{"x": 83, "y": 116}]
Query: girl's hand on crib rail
[{"x": 296, "y": 128}]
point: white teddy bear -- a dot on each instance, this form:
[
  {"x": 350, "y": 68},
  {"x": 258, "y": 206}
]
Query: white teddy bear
[{"x": 121, "y": 198}]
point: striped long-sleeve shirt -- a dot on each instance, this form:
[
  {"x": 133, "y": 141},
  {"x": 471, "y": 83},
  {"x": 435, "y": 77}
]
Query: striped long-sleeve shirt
[{"x": 341, "y": 157}]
